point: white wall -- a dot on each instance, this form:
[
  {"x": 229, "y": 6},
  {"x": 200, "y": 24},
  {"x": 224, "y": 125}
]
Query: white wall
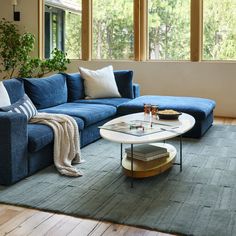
[
  {"x": 205, "y": 79},
  {"x": 215, "y": 80},
  {"x": 29, "y": 16}
]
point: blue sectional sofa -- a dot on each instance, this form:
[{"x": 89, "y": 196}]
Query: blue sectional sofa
[{"x": 26, "y": 148}]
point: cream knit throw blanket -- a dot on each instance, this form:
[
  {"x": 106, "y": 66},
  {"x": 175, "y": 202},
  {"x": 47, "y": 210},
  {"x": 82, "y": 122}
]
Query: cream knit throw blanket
[{"x": 66, "y": 141}]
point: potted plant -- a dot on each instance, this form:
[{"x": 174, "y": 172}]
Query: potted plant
[{"x": 15, "y": 59}]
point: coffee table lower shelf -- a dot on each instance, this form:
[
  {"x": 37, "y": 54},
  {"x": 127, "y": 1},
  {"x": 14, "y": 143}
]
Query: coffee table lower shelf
[{"x": 143, "y": 169}]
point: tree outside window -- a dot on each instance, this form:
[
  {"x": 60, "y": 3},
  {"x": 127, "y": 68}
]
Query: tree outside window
[
  {"x": 169, "y": 29},
  {"x": 113, "y": 34},
  {"x": 219, "y": 24}
]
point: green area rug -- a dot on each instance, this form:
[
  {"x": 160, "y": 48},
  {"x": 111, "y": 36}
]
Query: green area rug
[{"x": 201, "y": 200}]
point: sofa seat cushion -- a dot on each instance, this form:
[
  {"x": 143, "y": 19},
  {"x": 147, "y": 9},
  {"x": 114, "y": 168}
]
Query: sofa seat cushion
[
  {"x": 47, "y": 92},
  {"x": 89, "y": 113},
  {"x": 199, "y": 108},
  {"x": 40, "y": 135},
  {"x": 106, "y": 101}
]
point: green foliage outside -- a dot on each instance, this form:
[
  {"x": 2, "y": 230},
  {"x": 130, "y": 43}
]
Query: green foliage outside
[
  {"x": 15, "y": 59},
  {"x": 219, "y": 30},
  {"x": 113, "y": 33},
  {"x": 73, "y": 34},
  {"x": 112, "y": 30},
  {"x": 168, "y": 30}
]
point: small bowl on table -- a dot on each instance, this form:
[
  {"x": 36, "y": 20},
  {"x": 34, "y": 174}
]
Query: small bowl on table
[{"x": 168, "y": 114}]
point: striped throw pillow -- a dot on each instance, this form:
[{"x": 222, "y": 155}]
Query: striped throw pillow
[{"x": 23, "y": 106}]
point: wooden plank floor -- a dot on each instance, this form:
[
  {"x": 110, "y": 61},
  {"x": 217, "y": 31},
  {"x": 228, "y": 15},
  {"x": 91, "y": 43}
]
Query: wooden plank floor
[
  {"x": 225, "y": 121},
  {"x": 17, "y": 221}
]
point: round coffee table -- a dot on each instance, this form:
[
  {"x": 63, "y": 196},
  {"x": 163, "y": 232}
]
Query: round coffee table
[{"x": 165, "y": 129}]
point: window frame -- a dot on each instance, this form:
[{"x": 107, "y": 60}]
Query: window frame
[{"x": 140, "y": 32}]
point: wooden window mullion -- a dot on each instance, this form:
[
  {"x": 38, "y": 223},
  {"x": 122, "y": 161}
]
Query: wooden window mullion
[
  {"x": 41, "y": 26},
  {"x": 196, "y": 29},
  {"x": 143, "y": 30},
  {"x": 137, "y": 30},
  {"x": 86, "y": 30}
]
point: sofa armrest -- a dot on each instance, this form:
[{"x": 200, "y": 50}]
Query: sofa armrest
[
  {"x": 136, "y": 90},
  {"x": 13, "y": 147}
]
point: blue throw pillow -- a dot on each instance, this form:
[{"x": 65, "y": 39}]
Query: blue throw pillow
[
  {"x": 22, "y": 106},
  {"x": 75, "y": 86},
  {"x": 47, "y": 92},
  {"x": 124, "y": 83}
]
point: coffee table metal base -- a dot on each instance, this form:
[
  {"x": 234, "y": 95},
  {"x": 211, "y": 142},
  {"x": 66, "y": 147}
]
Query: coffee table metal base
[{"x": 143, "y": 169}]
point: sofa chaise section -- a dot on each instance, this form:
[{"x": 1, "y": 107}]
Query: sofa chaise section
[{"x": 200, "y": 108}]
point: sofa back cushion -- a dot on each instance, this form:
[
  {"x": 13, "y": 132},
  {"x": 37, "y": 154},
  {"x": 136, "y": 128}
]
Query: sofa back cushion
[
  {"x": 47, "y": 92},
  {"x": 124, "y": 83},
  {"x": 15, "y": 89},
  {"x": 75, "y": 86}
]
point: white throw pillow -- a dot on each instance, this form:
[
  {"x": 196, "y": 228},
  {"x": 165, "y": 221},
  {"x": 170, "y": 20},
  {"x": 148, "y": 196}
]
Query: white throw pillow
[
  {"x": 4, "y": 97},
  {"x": 99, "y": 83}
]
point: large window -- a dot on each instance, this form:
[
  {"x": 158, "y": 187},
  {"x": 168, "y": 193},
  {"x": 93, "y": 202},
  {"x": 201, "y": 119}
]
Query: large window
[
  {"x": 141, "y": 30},
  {"x": 63, "y": 27},
  {"x": 113, "y": 35},
  {"x": 219, "y": 24},
  {"x": 169, "y": 29}
]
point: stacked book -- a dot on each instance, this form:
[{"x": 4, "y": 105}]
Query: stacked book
[{"x": 147, "y": 152}]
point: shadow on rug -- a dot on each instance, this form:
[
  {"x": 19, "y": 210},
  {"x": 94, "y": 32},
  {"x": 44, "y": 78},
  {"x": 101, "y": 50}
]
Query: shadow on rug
[{"x": 201, "y": 200}]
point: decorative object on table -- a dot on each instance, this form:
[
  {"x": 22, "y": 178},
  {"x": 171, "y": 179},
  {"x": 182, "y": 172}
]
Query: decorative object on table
[
  {"x": 139, "y": 127},
  {"x": 150, "y": 109},
  {"x": 147, "y": 108},
  {"x": 154, "y": 110},
  {"x": 168, "y": 114}
]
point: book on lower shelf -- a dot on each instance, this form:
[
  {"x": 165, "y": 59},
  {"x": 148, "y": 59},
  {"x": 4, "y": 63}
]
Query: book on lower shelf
[
  {"x": 149, "y": 164},
  {"x": 146, "y": 150},
  {"x": 150, "y": 158}
]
